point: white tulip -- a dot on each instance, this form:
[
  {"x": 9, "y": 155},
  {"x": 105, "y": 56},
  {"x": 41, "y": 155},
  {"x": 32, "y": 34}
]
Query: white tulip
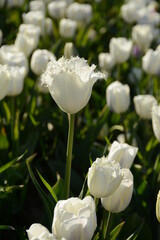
[
  {"x": 39, "y": 232},
  {"x": 143, "y": 105},
  {"x": 34, "y": 17},
  {"x": 79, "y": 12},
  {"x": 142, "y": 35},
  {"x": 15, "y": 3},
  {"x": 37, "y": 5},
  {"x": 151, "y": 62},
  {"x": 118, "y": 97},
  {"x": 75, "y": 219},
  {"x": 122, "y": 153},
  {"x": 5, "y": 78},
  {"x": 147, "y": 16},
  {"x": 103, "y": 177},
  {"x": 156, "y": 121},
  {"x": 69, "y": 50},
  {"x": 31, "y": 30},
  {"x": 39, "y": 60},
  {"x": 70, "y": 82},
  {"x": 10, "y": 55},
  {"x": 120, "y": 48},
  {"x": 57, "y": 9},
  {"x": 67, "y": 28},
  {"x": 106, "y": 61},
  {"x": 129, "y": 12},
  {"x": 16, "y": 83},
  {"x": 48, "y": 26},
  {"x": 158, "y": 207},
  {"x": 121, "y": 197}
]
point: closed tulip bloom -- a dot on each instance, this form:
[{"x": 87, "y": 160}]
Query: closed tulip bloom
[
  {"x": 34, "y": 17},
  {"x": 143, "y": 105},
  {"x": 120, "y": 48},
  {"x": 129, "y": 12},
  {"x": 103, "y": 177},
  {"x": 57, "y": 9},
  {"x": 70, "y": 82},
  {"x": 142, "y": 35},
  {"x": 37, "y": 5},
  {"x": 106, "y": 61},
  {"x": 74, "y": 219},
  {"x": 39, "y": 232},
  {"x": 122, "y": 153},
  {"x": 48, "y": 26},
  {"x": 148, "y": 16},
  {"x": 151, "y": 62},
  {"x": 31, "y": 30},
  {"x": 156, "y": 121},
  {"x": 158, "y": 207},
  {"x": 119, "y": 200},
  {"x": 67, "y": 28},
  {"x": 69, "y": 50},
  {"x": 118, "y": 97},
  {"x": 5, "y": 78},
  {"x": 40, "y": 59},
  {"x": 79, "y": 12}
]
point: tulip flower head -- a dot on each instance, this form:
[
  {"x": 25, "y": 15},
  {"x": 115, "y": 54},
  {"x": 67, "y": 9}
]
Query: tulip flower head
[
  {"x": 158, "y": 207},
  {"x": 156, "y": 121},
  {"x": 70, "y": 82}
]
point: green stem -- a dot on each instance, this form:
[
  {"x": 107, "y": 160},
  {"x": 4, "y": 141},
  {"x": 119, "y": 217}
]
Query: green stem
[
  {"x": 71, "y": 118},
  {"x": 106, "y": 226}
]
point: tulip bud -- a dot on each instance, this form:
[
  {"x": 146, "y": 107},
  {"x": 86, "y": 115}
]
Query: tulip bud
[
  {"x": 39, "y": 60},
  {"x": 5, "y": 78},
  {"x": 48, "y": 26},
  {"x": 142, "y": 35},
  {"x": 106, "y": 61},
  {"x": 37, "y": 5},
  {"x": 156, "y": 121},
  {"x": 67, "y": 28},
  {"x": 143, "y": 105},
  {"x": 79, "y": 12},
  {"x": 68, "y": 80},
  {"x": 129, "y": 12},
  {"x": 120, "y": 49},
  {"x": 118, "y": 97},
  {"x": 75, "y": 219},
  {"x": 151, "y": 62},
  {"x": 69, "y": 50},
  {"x": 121, "y": 197},
  {"x": 103, "y": 177},
  {"x": 122, "y": 153},
  {"x": 56, "y": 9},
  {"x": 38, "y": 231},
  {"x": 158, "y": 207}
]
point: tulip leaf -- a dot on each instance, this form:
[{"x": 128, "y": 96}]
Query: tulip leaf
[
  {"x": 58, "y": 188},
  {"x": 9, "y": 164},
  {"x": 48, "y": 203},
  {"x": 50, "y": 189},
  {"x": 6, "y": 227},
  {"x": 114, "y": 233},
  {"x": 135, "y": 234}
]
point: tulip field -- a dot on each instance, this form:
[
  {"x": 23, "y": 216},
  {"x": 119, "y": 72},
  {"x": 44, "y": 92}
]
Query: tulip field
[{"x": 79, "y": 120}]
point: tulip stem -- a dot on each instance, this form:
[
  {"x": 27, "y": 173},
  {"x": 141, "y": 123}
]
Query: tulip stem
[
  {"x": 71, "y": 119},
  {"x": 107, "y": 226}
]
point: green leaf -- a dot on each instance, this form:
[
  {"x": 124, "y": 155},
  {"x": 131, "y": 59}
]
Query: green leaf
[
  {"x": 134, "y": 235},
  {"x": 50, "y": 189},
  {"x": 6, "y": 227},
  {"x": 114, "y": 233},
  {"x": 58, "y": 188},
  {"x": 9, "y": 164},
  {"x": 48, "y": 204}
]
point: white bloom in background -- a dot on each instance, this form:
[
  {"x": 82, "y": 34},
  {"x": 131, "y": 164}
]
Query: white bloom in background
[
  {"x": 1, "y": 36},
  {"x": 17, "y": 82},
  {"x": 69, "y": 50},
  {"x": 156, "y": 121},
  {"x": 151, "y": 62},
  {"x": 121, "y": 197},
  {"x": 129, "y": 12},
  {"x": 143, "y": 105},
  {"x": 35, "y": 18},
  {"x": 158, "y": 207},
  {"x": 56, "y": 9},
  {"x": 147, "y": 16},
  {"x": 118, "y": 97},
  {"x": 25, "y": 43},
  {"x": 120, "y": 48},
  {"x": 5, "y": 78},
  {"x": 121, "y": 138},
  {"x": 75, "y": 219},
  {"x": 31, "y": 30},
  {"x": 103, "y": 177},
  {"x": 48, "y": 26},
  {"x": 68, "y": 1},
  {"x": 39, "y": 60},
  {"x": 15, "y": 3},
  {"x": 10, "y": 55},
  {"x": 70, "y": 82},
  {"x": 37, "y": 5},
  {"x": 142, "y": 35},
  {"x": 122, "y": 153},
  {"x": 67, "y": 28},
  {"x": 39, "y": 232},
  {"x": 79, "y": 12},
  {"x": 106, "y": 61}
]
